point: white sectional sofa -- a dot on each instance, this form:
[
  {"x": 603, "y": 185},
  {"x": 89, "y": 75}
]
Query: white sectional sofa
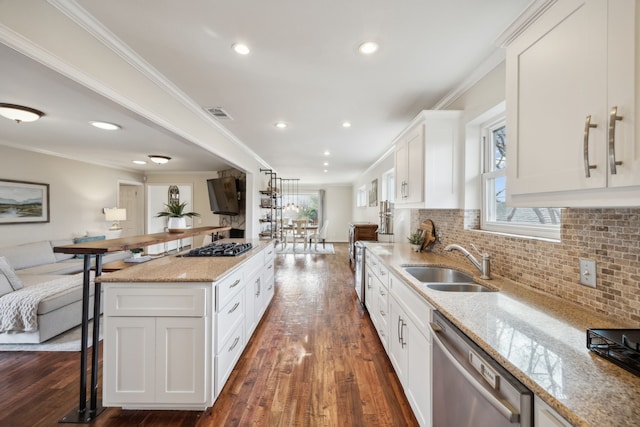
[{"x": 46, "y": 285}]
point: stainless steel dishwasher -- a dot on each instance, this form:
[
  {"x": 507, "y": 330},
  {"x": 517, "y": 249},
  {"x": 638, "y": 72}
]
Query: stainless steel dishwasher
[
  {"x": 359, "y": 279},
  {"x": 469, "y": 387}
]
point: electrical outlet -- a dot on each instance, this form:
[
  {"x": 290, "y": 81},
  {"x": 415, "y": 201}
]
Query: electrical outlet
[{"x": 588, "y": 272}]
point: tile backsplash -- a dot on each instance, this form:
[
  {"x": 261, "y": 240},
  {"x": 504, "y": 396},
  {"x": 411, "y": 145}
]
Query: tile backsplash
[{"x": 611, "y": 237}]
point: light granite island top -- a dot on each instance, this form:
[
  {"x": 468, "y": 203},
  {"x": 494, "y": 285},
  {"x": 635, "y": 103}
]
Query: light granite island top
[
  {"x": 177, "y": 268},
  {"x": 539, "y": 338}
]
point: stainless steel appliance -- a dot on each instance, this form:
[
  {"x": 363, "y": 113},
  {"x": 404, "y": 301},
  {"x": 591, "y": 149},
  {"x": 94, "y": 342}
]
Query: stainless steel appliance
[
  {"x": 469, "y": 387},
  {"x": 620, "y": 346},
  {"x": 359, "y": 278},
  {"x": 220, "y": 249}
]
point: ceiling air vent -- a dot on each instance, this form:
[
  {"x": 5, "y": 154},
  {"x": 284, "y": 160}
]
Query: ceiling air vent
[{"x": 219, "y": 113}]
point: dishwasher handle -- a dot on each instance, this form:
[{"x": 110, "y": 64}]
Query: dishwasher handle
[{"x": 504, "y": 410}]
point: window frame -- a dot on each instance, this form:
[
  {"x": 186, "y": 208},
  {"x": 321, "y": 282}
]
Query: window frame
[{"x": 488, "y": 176}]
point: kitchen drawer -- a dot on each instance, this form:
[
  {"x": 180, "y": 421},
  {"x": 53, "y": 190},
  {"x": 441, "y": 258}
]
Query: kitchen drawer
[
  {"x": 158, "y": 302},
  {"x": 228, "y": 355},
  {"x": 378, "y": 268},
  {"x": 269, "y": 254},
  {"x": 229, "y": 317},
  {"x": 228, "y": 287},
  {"x": 414, "y": 305}
]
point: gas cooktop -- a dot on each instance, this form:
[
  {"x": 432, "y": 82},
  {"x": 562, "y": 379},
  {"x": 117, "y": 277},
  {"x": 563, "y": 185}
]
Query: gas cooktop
[
  {"x": 221, "y": 249},
  {"x": 620, "y": 346}
]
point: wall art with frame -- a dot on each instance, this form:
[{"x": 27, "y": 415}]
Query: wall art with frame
[{"x": 23, "y": 202}]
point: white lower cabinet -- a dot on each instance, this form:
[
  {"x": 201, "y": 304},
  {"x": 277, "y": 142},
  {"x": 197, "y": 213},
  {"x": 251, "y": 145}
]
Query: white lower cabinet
[
  {"x": 410, "y": 346},
  {"x": 545, "y": 416},
  {"x": 155, "y": 359},
  {"x": 174, "y": 345}
]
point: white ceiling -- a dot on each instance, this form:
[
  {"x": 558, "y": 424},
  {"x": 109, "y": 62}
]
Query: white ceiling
[{"x": 303, "y": 69}]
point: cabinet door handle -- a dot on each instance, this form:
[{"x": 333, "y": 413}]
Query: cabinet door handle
[
  {"x": 258, "y": 283},
  {"x": 400, "y": 329},
  {"x": 235, "y": 343},
  {"x": 382, "y": 313},
  {"x": 613, "y": 118},
  {"x": 587, "y": 126},
  {"x": 235, "y": 306},
  {"x": 234, "y": 284}
]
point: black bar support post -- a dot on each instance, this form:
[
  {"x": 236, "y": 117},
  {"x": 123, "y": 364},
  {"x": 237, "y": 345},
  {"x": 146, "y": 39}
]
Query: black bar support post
[{"x": 81, "y": 415}]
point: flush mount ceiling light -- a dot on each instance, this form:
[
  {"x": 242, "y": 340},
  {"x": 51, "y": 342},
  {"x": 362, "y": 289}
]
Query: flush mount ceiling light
[
  {"x": 367, "y": 48},
  {"x": 19, "y": 113},
  {"x": 139, "y": 162},
  {"x": 241, "y": 48},
  {"x": 281, "y": 125},
  {"x": 106, "y": 125},
  {"x": 161, "y": 160}
]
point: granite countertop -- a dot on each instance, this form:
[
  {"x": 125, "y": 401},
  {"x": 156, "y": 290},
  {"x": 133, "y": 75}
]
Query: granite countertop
[
  {"x": 539, "y": 338},
  {"x": 174, "y": 268}
]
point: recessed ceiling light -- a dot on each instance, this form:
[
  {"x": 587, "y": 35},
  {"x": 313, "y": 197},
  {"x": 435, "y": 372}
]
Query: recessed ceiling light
[
  {"x": 346, "y": 124},
  {"x": 20, "y": 113},
  {"x": 281, "y": 125},
  {"x": 327, "y": 153},
  {"x": 139, "y": 162},
  {"x": 241, "y": 48},
  {"x": 367, "y": 48},
  {"x": 326, "y": 170},
  {"x": 325, "y": 164},
  {"x": 161, "y": 160},
  {"x": 105, "y": 125}
]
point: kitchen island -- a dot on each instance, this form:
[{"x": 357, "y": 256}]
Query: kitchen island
[
  {"x": 176, "y": 326},
  {"x": 538, "y": 338}
]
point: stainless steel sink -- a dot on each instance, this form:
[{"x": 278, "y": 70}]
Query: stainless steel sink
[
  {"x": 431, "y": 274},
  {"x": 445, "y": 279},
  {"x": 458, "y": 287}
]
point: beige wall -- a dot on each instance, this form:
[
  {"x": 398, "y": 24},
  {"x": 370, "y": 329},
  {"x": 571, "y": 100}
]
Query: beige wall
[{"x": 78, "y": 192}]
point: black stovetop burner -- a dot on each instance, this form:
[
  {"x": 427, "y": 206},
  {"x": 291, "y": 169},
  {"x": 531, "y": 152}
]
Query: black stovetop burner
[
  {"x": 620, "y": 346},
  {"x": 221, "y": 249}
]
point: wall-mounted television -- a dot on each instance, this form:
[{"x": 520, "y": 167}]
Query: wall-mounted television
[{"x": 224, "y": 196}]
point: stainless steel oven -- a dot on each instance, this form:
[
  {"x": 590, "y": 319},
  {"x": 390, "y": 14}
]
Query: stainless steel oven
[{"x": 469, "y": 387}]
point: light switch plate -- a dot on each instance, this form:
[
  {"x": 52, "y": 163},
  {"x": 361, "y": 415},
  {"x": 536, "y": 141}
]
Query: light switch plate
[{"x": 588, "y": 272}]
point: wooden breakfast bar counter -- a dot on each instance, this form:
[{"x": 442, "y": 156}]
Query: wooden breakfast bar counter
[{"x": 98, "y": 248}]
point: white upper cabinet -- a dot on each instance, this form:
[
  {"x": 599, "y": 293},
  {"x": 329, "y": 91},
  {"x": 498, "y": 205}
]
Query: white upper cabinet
[
  {"x": 572, "y": 107},
  {"x": 428, "y": 161}
]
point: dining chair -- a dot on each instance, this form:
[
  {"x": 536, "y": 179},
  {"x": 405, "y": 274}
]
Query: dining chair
[
  {"x": 320, "y": 233},
  {"x": 299, "y": 231}
]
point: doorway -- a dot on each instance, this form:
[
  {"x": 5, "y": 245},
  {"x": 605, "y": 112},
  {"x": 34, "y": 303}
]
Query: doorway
[{"x": 131, "y": 198}]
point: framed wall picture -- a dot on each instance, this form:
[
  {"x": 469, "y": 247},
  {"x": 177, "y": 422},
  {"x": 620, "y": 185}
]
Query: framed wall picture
[
  {"x": 23, "y": 202},
  {"x": 373, "y": 193}
]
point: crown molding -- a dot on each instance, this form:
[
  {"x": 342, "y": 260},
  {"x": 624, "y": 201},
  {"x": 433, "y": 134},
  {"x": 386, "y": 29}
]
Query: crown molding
[{"x": 523, "y": 21}]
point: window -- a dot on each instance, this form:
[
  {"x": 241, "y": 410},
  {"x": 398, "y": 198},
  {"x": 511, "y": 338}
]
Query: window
[
  {"x": 301, "y": 205},
  {"x": 361, "y": 196},
  {"x": 387, "y": 189},
  {"x": 496, "y": 215}
]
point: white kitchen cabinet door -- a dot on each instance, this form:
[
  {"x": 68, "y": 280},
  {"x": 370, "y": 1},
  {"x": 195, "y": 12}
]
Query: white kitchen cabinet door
[
  {"x": 545, "y": 416},
  {"x": 398, "y": 344},
  {"x": 253, "y": 297},
  {"x": 409, "y": 166},
  {"x": 564, "y": 75},
  {"x": 181, "y": 356},
  {"x": 418, "y": 388},
  {"x": 129, "y": 360}
]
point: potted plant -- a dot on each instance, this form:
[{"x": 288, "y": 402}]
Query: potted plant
[
  {"x": 136, "y": 252},
  {"x": 416, "y": 240},
  {"x": 177, "y": 217}
]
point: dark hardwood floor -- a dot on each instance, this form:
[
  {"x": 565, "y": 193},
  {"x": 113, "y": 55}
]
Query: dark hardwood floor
[{"x": 315, "y": 360}]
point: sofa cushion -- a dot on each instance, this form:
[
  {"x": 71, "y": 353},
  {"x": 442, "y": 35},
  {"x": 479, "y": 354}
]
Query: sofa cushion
[
  {"x": 86, "y": 239},
  {"x": 69, "y": 266},
  {"x": 28, "y": 254},
  {"x": 8, "y": 275},
  {"x": 62, "y": 242},
  {"x": 5, "y": 286}
]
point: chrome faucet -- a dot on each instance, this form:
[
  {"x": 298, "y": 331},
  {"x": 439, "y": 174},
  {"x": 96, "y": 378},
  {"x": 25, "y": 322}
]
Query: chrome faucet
[{"x": 484, "y": 267}]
